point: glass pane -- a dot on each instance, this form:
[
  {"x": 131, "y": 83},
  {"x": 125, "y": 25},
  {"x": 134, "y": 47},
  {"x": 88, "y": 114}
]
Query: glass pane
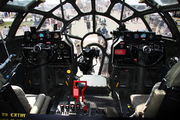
[
  {"x": 116, "y": 11},
  {"x": 157, "y": 24},
  {"x": 135, "y": 24},
  {"x": 102, "y": 6},
  {"x": 84, "y": 6},
  {"x": 93, "y": 38},
  {"x": 166, "y": 2},
  {"x": 47, "y": 6},
  {"x": 69, "y": 11},
  {"x": 5, "y": 26},
  {"x": 30, "y": 20},
  {"x": 138, "y": 6},
  {"x": 81, "y": 26},
  {"x": 58, "y": 12},
  {"x": 50, "y": 22},
  {"x": 105, "y": 25},
  {"x": 20, "y": 2}
]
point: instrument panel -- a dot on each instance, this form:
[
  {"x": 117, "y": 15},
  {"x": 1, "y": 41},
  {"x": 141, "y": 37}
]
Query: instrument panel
[
  {"x": 139, "y": 36},
  {"x": 133, "y": 44},
  {"x": 42, "y": 36},
  {"x": 62, "y": 50}
]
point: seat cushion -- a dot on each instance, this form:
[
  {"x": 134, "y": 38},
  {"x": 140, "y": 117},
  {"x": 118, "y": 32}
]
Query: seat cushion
[
  {"x": 31, "y": 98},
  {"x": 45, "y": 105},
  {"x": 22, "y": 98},
  {"x": 137, "y": 99},
  {"x": 38, "y": 104}
]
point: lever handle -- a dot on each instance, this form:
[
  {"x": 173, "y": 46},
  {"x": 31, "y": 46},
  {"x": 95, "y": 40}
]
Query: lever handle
[{"x": 76, "y": 90}]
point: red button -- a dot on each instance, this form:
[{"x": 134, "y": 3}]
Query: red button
[{"x": 85, "y": 108}]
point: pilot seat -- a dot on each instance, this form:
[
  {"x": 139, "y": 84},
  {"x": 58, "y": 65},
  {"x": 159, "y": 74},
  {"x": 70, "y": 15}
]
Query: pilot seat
[
  {"x": 164, "y": 99},
  {"x": 18, "y": 101}
]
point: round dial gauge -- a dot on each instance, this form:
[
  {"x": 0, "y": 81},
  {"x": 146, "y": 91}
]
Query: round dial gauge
[
  {"x": 28, "y": 38},
  {"x": 61, "y": 46},
  {"x": 48, "y": 35},
  {"x": 56, "y": 35},
  {"x": 58, "y": 51},
  {"x": 65, "y": 52},
  {"x": 151, "y": 36},
  {"x": 55, "y": 46},
  {"x": 136, "y": 36},
  {"x": 34, "y": 36}
]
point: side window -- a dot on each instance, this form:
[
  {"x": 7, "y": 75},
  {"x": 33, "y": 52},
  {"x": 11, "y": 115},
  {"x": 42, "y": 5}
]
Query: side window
[
  {"x": 158, "y": 25},
  {"x": 6, "y": 19},
  {"x": 30, "y": 20}
]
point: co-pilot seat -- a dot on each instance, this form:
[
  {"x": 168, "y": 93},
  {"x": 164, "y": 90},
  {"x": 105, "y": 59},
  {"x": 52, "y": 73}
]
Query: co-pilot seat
[
  {"x": 164, "y": 99},
  {"x": 24, "y": 103}
]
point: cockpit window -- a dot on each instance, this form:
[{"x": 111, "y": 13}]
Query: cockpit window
[
  {"x": 49, "y": 24},
  {"x": 69, "y": 12},
  {"x": 19, "y": 2},
  {"x": 81, "y": 27},
  {"x": 102, "y": 6},
  {"x": 84, "y": 6},
  {"x": 6, "y": 25},
  {"x": 135, "y": 24},
  {"x": 116, "y": 11},
  {"x": 105, "y": 25},
  {"x": 30, "y": 20},
  {"x": 45, "y": 6},
  {"x": 48, "y": 5},
  {"x": 166, "y": 2},
  {"x": 136, "y": 5},
  {"x": 158, "y": 25}
]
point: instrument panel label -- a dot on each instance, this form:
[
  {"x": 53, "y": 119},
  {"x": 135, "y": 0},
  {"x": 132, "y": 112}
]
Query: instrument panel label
[{"x": 120, "y": 52}]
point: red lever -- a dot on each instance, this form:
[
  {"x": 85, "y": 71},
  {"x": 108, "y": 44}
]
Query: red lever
[{"x": 76, "y": 90}]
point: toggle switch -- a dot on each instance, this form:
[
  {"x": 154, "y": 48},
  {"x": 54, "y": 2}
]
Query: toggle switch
[
  {"x": 85, "y": 108},
  {"x": 77, "y": 107},
  {"x": 62, "y": 107}
]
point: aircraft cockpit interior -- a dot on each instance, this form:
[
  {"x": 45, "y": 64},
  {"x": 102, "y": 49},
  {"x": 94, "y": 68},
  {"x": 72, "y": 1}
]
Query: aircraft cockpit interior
[{"x": 97, "y": 59}]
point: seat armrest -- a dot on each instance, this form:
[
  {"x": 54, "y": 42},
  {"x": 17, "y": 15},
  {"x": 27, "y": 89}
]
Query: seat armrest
[{"x": 38, "y": 104}]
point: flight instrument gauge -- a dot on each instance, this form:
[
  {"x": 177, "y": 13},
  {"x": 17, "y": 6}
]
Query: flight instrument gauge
[
  {"x": 48, "y": 35},
  {"x": 34, "y": 36},
  {"x": 61, "y": 46},
  {"x": 151, "y": 36},
  {"x": 136, "y": 36},
  {"x": 143, "y": 36},
  {"x": 28, "y": 38},
  {"x": 56, "y": 35}
]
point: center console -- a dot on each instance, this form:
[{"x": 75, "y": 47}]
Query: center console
[{"x": 84, "y": 101}]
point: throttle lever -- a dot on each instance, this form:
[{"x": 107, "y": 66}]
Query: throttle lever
[{"x": 76, "y": 90}]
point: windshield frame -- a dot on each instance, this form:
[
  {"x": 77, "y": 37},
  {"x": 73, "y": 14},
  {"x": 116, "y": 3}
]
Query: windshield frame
[{"x": 161, "y": 10}]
